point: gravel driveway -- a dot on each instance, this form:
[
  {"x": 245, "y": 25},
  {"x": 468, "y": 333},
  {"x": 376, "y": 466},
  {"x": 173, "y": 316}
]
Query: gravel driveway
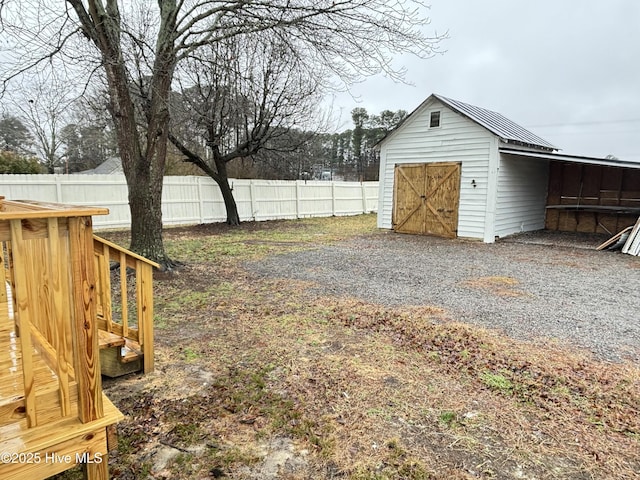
[{"x": 528, "y": 290}]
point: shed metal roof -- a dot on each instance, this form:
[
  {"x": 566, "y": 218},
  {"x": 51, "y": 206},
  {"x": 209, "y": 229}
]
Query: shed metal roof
[{"x": 496, "y": 123}]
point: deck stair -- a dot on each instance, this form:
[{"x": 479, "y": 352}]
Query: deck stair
[
  {"x": 124, "y": 309},
  {"x": 119, "y": 355}
]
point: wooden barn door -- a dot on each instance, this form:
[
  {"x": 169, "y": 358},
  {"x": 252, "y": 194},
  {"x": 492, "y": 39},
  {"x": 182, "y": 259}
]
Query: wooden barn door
[{"x": 425, "y": 199}]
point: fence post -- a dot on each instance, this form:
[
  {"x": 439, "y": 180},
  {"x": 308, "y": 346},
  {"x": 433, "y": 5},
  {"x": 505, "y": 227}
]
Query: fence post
[
  {"x": 298, "y": 199},
  {"x": 200, "y": 198},
  {"x": 364, "y": 197},
  {"x": 252, "y": 195},
  {"x": 58, "y": 188},
  {"x": 333, "y": 198}
]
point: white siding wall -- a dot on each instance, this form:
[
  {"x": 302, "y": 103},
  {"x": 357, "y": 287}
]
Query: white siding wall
[
  {"x": 522, "y": 195},
  {"x": 458, "y": 139}
]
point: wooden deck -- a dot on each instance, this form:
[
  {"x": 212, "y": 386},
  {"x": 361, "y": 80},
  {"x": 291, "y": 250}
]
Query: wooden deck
[
  {"x": 59, "y": 440},
  {"x": 53, "y": 414}
]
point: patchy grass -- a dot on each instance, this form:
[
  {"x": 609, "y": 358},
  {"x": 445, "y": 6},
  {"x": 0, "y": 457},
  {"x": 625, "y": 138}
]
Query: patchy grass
[
  {"x": 258, "y": 379},
  {"x": 497, "y": 382}
]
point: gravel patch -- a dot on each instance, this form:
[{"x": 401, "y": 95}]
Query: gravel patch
[{"x": 528, "y": 286}]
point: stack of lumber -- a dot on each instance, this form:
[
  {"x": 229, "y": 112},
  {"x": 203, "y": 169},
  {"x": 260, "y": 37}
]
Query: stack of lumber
[{"x": 628, "y": 240}]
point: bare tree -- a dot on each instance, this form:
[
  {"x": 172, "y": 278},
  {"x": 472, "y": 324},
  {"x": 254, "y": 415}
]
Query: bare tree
[
  {"x": 89, "y": 137},
  {"x": 353, "y": 38},
  {"x": 44, "y": 105},
  {"x": 244, "y": 94}
]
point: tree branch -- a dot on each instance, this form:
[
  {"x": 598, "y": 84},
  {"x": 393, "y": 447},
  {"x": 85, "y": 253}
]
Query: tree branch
[{"x": 193, "y": 158}]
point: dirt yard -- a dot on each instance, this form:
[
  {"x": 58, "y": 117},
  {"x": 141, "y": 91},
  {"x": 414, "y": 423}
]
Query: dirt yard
[
  {"x": 326, "y": 349},
  {"x": 548, "y": 286}
]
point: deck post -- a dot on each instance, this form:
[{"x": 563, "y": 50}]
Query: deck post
[
  {"x": 144, "y": 285},
  {"x": 85, "y": 331},
  {"x": 23, "y": 317}
]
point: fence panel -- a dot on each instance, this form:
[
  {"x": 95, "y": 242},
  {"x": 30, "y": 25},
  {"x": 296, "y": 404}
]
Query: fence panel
[
  {"x": 273, "y": 199},
  {"x": 190, "y": 200},
  {"x": 180, "y": 202}
]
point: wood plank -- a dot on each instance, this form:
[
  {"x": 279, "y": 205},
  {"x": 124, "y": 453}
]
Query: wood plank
[
  {"x": 24, "y": 209},
  {"x": 442, "y": 195},
  {"x": 12, "y": 413},
  {"x": 108, "y": 340},
  {"x": 408, "y": 216},
  {"x": 39, "y": 287},
  {"x": 32, "y": 228},
  {"x": 46, "y": 386},
  {"x": 64, "y": 437},
  {"x": 613, "y": 239},
  {"x": 65, "y": 336},
  {"x": 116, "y": 328},
  {"x": 60, "y": 430},
  {"x": 103, "y": 275},
  {"x": 59, "y": 457},
  {"x": 124, "y": 302},
  {"x": 23, "y": 316},
  {"x": 117, "y": 248},
  {"x": 4, "y": 298},
  {"x": 145, "y": 306},
  {"x": 613, "y": 209},
  {"x": 84, "y": 312},
  {"x": 45, "y": 349},
  {"x": 632, "y": 245},
  {"x": 13, "y": 387}
]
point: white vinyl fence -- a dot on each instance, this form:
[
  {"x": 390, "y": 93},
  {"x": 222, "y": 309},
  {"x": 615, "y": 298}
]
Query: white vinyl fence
[{"x": 194, "y": 200}]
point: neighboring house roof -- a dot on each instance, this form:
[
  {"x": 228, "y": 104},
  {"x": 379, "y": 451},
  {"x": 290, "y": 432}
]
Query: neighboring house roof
[
  {"x": 109, "y": 166},
  {"x": 506, "y": 129}
]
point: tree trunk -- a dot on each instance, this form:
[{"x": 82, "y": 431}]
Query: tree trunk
[
  {"x": 218, "y": 174},
  {"x": 143, "y": 154},
  {"x": 222, "y": 179},
  {"x": 146, "y": 221},
  {"x": 145, "y": 194}
]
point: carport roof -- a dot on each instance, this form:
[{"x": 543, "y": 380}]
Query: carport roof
[{"x": 608, "y": 162}]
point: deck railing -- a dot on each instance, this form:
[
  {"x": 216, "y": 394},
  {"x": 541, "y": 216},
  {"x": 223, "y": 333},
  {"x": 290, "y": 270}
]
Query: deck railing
[
  {"x": 45, "y": 311},
  {"x": 51, "y": 399},
  {"x": 125, "y": 297}
]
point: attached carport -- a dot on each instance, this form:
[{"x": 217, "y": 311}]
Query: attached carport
[{"x": 588, "y": 194}]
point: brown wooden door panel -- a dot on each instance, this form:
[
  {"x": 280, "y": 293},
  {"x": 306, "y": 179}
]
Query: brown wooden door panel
[
  {"x": 408, "y": 209},
  {"x": 426, "y": 198}
]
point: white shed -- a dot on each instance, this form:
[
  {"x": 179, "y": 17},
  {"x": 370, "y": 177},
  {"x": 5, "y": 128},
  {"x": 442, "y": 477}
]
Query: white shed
[{"x": 442, "y": 172}]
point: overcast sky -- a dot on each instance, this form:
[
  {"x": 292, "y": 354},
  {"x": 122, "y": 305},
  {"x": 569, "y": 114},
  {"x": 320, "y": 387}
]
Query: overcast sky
[{"x": 568, "y": 70}]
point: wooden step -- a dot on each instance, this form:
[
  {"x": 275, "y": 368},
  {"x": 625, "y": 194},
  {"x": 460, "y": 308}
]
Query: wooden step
[
  {"x": 131, "y": 351},
  {"x": 108, "y": 340},
  {"x": 122, "y": 359}
]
